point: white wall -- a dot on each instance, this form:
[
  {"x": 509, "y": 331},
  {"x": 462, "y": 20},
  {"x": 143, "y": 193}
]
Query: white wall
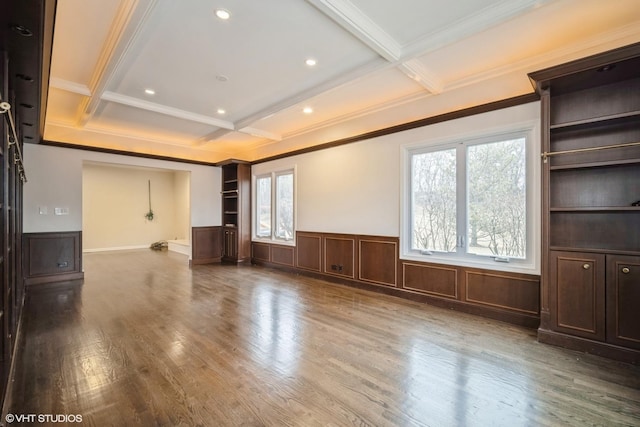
[
  {"x": 55, "y": 180},
  {"x": 356, "y": 188}
]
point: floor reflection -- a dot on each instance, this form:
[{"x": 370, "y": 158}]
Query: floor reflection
[
  {"x": 276, "y": 330},
  {"x": 446, "y": 385}
]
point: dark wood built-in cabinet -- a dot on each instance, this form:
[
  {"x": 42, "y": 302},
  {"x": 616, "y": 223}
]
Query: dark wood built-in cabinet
[
  {"x": 236, "y": 211},
  {"x": 591, "y": 189}
]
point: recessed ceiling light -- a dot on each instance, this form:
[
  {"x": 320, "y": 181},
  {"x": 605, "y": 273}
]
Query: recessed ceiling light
[
  {"x": 150, "y": 91},
  {"x": 307, "y": 110},
  {"x": 223, "y": 14},
  {"x": 311, "y": 62},
  {"x": 222, "y": 111}
]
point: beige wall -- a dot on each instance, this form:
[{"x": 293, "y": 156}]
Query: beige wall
[
  {"x": 115, "y": 200},
  {"x": 181, "y": 184}
]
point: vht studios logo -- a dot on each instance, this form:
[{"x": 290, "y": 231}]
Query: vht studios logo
[{"x": 43, "y": 418}]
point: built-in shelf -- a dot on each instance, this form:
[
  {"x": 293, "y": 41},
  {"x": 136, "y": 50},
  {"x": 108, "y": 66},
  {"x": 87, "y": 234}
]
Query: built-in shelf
[
  {"x": 592, "y": 250},
  {"x": 595, "y": 164},
  {"x": 597, "y": 209},
  {"x": 595, "y": 121}
]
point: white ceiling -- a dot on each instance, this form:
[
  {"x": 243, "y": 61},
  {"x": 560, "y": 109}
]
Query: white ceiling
[{"x": 379, "y": 63}]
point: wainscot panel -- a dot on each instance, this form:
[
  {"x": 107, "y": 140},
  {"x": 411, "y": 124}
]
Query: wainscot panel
[
  {"x": 52, "y": 257},
  {"x": 378, "y": 260},
  {"x": 309, "y": 251},
  {"x": 261, "y": 251},
  {"x": 430, "y": 279},
  {"x": 207, "y": 245},
  {"x": 340, "y": 255},
  {"x": 283, "y": 255},
  {"x": 509, "y": 292}
]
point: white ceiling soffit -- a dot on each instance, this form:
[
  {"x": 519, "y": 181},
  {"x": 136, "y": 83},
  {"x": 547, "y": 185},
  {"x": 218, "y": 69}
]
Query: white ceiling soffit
[{"x": 170, "y": 78}]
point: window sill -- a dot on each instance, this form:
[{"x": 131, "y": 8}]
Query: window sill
[
  {"x": 273, "y": 241},
  {"x": 524, "y": 268}
]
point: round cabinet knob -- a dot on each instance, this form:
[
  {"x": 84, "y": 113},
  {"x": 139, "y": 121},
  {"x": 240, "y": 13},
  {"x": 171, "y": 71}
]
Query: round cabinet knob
[
  {"x": 625, "y": 270},
  {"x": 586, "y": 266}
]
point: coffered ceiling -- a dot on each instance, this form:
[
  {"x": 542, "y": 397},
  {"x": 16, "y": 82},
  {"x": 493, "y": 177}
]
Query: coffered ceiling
[{"x": 170, "y": 78}]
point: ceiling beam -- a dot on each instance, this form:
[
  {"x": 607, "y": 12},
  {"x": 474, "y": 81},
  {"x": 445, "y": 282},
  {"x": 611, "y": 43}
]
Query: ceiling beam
[
  {"x": 166, "y": 110},
  {"x": 128, "y": 24},
  {"x": 352, "y": 19},
  {"x": 329, "y": 85},
  {"x": 416, "y": 70}
]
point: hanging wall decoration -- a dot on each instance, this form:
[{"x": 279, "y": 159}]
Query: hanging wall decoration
[{"x": 149, "y": 215}]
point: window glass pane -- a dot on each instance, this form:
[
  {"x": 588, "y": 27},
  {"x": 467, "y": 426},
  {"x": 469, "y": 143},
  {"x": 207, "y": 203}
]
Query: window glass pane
[
  {"x": 496, "y": 197},
  {"x": 433, "y": 200},
  {"x": 263, "y": 206},
  {"x": 284, "y": 206}
]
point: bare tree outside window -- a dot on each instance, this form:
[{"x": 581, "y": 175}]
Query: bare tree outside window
[
  {"x": 496, "y": 199},
  {"x": 493, "y": 194},
  {"x": 284, "y": 206},
  {"x": 434, "y": 201}
]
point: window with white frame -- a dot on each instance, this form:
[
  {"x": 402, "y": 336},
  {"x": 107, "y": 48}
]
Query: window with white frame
[
  {"x": 470, "y": 200},
  {"x": 274, "y": 206}
]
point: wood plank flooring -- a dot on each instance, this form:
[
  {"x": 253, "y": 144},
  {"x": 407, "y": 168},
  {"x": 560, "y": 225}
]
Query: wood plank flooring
[{"x": 148, "y": 341}]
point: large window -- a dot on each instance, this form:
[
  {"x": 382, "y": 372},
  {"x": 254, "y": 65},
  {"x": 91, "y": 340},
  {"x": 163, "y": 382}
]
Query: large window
[
  {"x": 471, "y": 200},
  {"x": 274, "y": 205}
]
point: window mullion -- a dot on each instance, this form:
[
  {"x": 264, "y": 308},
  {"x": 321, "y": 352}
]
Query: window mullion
[
  {"x": 274, "y": 205},
  {"x": 461, "y": 198}
]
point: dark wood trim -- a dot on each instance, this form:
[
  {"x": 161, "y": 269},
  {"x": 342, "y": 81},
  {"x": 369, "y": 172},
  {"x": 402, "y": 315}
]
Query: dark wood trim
[
  {"x": 478, "y": 109},
  {"x": 52, "y": 257},
  {"x": 206, "y": 245},
  {"x": 465, "y": 112},
  {"x": 586, "y": 345},
  {"x": 124, "y": 153}
]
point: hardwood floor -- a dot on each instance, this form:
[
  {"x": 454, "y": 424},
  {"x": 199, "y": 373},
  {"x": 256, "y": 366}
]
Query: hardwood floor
[{"x": 148, "y": 341}]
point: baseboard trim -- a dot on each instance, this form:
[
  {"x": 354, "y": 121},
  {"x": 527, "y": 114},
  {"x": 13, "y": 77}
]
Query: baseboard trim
[
  {"x": 585, "y": 345},
  {"x": 203, "y": 261},
  {"x": 54, "y": 278}
]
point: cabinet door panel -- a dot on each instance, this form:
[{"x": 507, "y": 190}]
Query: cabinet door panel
[
  {"x": 623, "y": 300},
  {"x": 577, "y": 293}
]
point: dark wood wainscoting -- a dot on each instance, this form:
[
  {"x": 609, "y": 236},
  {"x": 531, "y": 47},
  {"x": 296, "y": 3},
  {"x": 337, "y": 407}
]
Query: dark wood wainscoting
[
  {"x": 309, "y": 251},
  {"x": 373, "y": 262},
  {"x": 510, "y": 297},
  {"x": 52, "y": 257},
  {"x": 271, "y": 253},
  {"x": 207, "y": 245}
]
